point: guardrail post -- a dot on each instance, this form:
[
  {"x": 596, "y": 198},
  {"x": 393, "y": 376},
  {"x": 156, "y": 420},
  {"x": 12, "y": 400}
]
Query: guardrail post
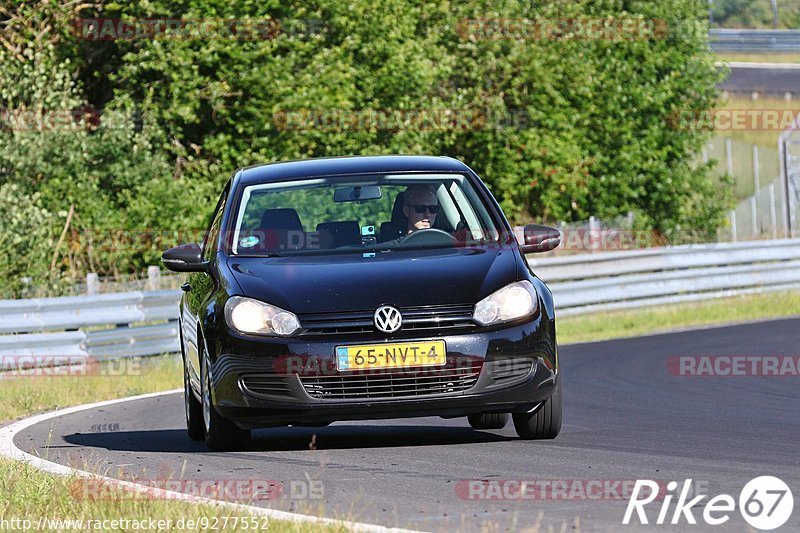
[
  {"x": 783, "y": 159},
  {"x": 594, "y": 237},
  {"x": 773, "y": 215},
  {"x": 734, "y": 236},
  {"x": 153, "y": 279},
  {"x": 775, "y": 18},
  {"x": 756, "y": 172},
  {"x": 92, "y": 283},
  {"x": 729, "y": 155}
]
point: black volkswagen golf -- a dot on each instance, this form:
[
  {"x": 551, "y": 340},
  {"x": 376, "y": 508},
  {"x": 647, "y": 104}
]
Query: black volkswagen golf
[{"x": 361, "y": 288}]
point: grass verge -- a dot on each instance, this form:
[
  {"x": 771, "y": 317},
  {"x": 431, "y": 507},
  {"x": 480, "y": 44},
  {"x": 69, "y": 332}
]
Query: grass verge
[
  {"x": 789, "y": 57},
  {"x": 30, "y": 495},
  {"x": 630, "y": 323},
  {"x": 33, "y": 500},
  {"x": 26, "y": 395}
]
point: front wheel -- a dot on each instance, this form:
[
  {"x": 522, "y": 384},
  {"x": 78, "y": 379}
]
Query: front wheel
[
  {"x": 193, "y": 408},
  {"x": 221, "y": 434},
  {"x": 545, "y": 423}
]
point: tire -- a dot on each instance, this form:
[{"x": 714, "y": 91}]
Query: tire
[
  {"x": 193, "y": 408},
  {"x": 221, "y": 434},
  {"x": 545, "y": 423},
  {"x": 488, "y": 420}
]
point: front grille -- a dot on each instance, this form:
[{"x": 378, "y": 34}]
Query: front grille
[
  {"x": 419, "y": 319},
  {"x": 265, "y": 385},
  {"x": 397, "y": 384}
]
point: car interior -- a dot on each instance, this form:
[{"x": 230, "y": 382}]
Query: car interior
[{"x": 282, "y": 229}]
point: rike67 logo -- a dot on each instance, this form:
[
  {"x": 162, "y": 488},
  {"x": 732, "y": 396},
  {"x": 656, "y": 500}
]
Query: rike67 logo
[{"x": 765, "y": 503}]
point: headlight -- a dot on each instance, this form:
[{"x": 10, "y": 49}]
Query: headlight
[
  {"x": 251, "y": 316},
  {"x": 509, "y": 303}
]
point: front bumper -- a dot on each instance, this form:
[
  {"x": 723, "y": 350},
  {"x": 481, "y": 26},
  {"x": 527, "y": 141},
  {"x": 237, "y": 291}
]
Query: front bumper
[{"x": 271, "y": 382}]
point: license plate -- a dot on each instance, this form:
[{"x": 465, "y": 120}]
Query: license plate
[{"x": 394, "y": 355}]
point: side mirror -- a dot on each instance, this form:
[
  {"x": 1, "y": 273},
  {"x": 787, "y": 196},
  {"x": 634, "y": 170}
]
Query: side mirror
[
  {"x": 540, "y": 239},
  {"x": 184, "y": 258}
]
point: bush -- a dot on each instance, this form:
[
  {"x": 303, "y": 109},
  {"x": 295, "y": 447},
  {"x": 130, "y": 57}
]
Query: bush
[
  {"x": 26, "y": 239},
  {"x": 561, "y": 129}
]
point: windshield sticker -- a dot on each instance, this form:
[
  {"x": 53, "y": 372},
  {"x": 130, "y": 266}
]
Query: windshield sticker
[{"x": 248, "y": 242}]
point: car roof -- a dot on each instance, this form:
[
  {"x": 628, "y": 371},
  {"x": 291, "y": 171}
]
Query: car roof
[{"x": 332, "y": 166}]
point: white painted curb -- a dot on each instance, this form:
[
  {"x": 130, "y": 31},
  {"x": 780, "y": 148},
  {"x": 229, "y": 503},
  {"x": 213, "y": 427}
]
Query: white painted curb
[
  {"x": 10, "y": 450},
  {"x": 769, "y": 66}
]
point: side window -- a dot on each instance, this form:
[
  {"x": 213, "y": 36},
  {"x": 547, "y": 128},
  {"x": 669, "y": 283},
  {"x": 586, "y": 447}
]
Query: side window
[
  {"x": 465, "y": 207},
  {"x": 212, "y": 235}
]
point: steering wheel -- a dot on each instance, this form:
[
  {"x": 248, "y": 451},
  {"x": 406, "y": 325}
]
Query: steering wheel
[{"x": 427, "y": 236}]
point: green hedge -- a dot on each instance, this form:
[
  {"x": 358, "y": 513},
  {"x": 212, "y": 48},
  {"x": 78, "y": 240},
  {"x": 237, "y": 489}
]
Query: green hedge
[{"x": 560, "y": 128}]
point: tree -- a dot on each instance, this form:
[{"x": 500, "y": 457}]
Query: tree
[
  {"x": 584, "y": 123},
  {"x": 745, "y": 13},
  {"x": 562, "y": 122}
]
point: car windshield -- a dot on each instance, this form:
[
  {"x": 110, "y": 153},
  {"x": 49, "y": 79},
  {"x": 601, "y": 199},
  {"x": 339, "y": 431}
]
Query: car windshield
[{"x": 345, "y": 214}]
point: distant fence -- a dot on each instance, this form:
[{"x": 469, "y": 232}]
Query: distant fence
[
  {"x": 145, "y": 323},
  {"x": 767, "y": 185},
  {"x": 723, "y": 40},
  {"x": 789, "y": 147}
]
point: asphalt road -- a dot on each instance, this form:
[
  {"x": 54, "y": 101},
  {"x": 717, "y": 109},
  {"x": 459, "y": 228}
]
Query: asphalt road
[
  {"x": 777, "y": 81},
  {"x": 626, "y": 418}
]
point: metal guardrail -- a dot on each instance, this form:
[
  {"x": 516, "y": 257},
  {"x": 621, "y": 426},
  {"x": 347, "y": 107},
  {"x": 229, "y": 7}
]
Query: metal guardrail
[
  {"x": 74, "y": 312},
  {"x": 638, "y": 278},
  {"x": 723, "y": 40},
  {"x": 99, "y": 345},
  {"x": 137, "y": 324},
  {"x": 580, "y": 284}
]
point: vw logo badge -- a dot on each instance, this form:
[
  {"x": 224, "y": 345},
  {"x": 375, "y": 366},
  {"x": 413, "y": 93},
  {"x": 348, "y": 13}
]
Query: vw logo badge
[{"x": 388, "y": 319}]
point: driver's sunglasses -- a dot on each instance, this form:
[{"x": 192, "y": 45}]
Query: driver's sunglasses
[{"x": 432, "y": 209}]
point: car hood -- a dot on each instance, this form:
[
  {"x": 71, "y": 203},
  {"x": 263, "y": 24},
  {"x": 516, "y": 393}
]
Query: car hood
[{"x": 358, "y": 282}]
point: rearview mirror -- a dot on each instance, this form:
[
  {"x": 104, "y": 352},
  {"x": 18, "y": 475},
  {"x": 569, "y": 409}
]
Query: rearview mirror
[
  {"x": 184, "y": 258},
  {"x": 540, "y": 239},
  {"x": 357, "y": 193}
]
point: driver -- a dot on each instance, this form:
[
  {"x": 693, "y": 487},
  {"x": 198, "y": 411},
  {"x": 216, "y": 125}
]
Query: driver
[{"x": 420, "y": 207}]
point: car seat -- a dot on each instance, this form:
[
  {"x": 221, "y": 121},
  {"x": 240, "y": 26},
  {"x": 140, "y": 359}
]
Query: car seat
[{"x": 336, "y": 234}]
